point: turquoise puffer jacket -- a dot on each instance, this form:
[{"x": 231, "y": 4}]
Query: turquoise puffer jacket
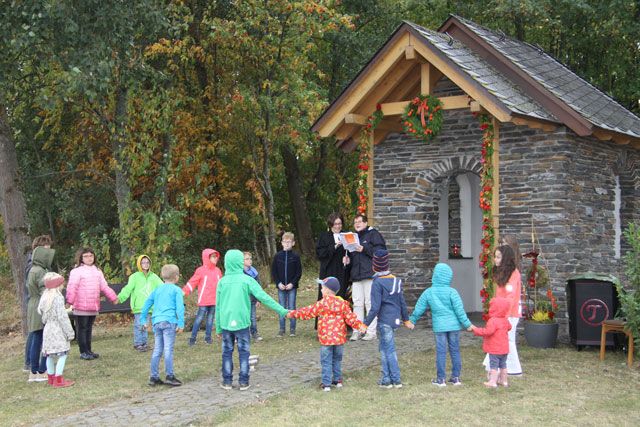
[{"x": 446, "y": 306}]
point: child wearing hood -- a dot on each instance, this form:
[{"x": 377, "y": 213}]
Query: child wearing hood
[
  {"x": 139, "y": 287},
  {"x": 334, "y": 314},
  {"x": 205, "y": 280},
  {"x": 448, "y": 317},
  {"x": 233, "y": 315},
  {"x": 496, "y": 340}
]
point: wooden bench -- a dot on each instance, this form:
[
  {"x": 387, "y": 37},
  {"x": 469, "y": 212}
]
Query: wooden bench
[{"x": 619, "y": 326}]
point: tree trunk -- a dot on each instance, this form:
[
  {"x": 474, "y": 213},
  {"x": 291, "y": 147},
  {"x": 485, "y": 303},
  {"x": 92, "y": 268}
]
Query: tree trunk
[
  {"x": 13, "y": 211},
  {"x": 122, "y": 190},
  {"x": 304, "y": 238}
]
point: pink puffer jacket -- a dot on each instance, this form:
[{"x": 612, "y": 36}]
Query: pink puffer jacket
[{"x": 85, "y": 284}]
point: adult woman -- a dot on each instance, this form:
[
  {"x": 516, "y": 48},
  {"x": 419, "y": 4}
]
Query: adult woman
[
  {"x": 509, "y": 285},
  {"x": 330, "y": 252}
]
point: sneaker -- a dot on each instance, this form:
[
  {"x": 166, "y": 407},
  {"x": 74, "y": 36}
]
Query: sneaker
[
  {"x": 155, "y": 381},
  {"x": 337, "y": 384},
  {"x": 226, "y": 386},
  {"x": 325, "y": 387},
  {"x": 86, "y": 356},
  {"x": 355, "y": 336},
  {"x": 172, "y": 380},
  {"x": 208, "y": 341},
  {"x": 192, "y": 342},
  {"x": 244, "y": 386},
  {"x": 280, "y": 334},
  {"x": 368, "y": 337},
  {"x": 439, "y": 382},
  {"x": 385, "y": 385},
  {"x": 257, "y": 337},
  {"x": 397, "y": 385},
  {"x": 455, "y": 381},
  {"x": 292, "y": 334},
  {"x": 94, "y": 355},
  {"x": 26, "y": 368},
  {"x": 37, "y": 378}
]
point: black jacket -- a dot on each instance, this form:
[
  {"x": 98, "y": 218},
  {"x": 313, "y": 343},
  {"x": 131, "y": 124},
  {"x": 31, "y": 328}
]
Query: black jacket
[
  {"x": 286, "y": 268},
  {"x": 361, "y": 262},
  {"x": 331, "y": 261}
]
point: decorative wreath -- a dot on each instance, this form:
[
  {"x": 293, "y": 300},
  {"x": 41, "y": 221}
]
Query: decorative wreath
[{"x": 423, "y": 117}]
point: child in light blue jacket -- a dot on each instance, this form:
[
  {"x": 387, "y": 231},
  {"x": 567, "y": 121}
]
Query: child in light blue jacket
[{"x": 448, "y": 316}]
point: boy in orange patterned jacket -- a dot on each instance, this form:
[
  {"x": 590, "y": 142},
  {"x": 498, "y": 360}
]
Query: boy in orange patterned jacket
[{"x": 333, "y": 315}]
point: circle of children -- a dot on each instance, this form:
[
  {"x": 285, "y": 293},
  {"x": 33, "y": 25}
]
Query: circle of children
[{"x": 229, "y": 301}]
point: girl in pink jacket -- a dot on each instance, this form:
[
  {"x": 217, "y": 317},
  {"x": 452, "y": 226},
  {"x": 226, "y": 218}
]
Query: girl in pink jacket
[
  {"x": 205, "y": 280},
  {"x": 86, "y": 282}
]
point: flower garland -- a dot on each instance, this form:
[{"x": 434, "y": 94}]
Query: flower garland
[
  {"x": 486, "y": 195},
  {"x": 423, "y": 117},
  {"x": 363, "y": 159}
]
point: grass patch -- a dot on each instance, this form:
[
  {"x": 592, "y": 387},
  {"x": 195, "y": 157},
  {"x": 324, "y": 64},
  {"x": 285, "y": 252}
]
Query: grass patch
[{"x": 561, "y": 386}]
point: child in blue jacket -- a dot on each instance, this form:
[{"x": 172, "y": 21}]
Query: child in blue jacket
[{"x": 448, "y": 316}]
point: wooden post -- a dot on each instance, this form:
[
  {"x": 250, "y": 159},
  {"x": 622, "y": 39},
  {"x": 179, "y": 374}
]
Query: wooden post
[
  {"x": 370, "y": 180},
  {"x": 495, "y": 161},
  {"x": 425, "y": 78}
]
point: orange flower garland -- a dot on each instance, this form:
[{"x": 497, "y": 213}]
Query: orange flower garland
[
  {"x": 423, "y": 117},
  {"x": 486, "y": 196},
  {"x": 363, "y": 160}
]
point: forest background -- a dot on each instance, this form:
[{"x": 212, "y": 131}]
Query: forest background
[{"x": 163, "y": 127}]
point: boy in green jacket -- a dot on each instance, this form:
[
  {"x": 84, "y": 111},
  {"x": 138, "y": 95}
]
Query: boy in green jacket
[
  {"x": 233, "y": 315},
  {"x": 139, "y": 287}
]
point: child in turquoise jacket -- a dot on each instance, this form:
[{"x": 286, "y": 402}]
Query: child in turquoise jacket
[{"x": 448, "y": 316}]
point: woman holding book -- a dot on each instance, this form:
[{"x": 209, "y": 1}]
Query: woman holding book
[{"x": 330, "y": 253}]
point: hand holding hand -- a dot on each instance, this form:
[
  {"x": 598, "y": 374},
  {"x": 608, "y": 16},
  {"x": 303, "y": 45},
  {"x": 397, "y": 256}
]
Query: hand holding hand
[
  {"x": 363, "y": 329},
  {"x": 179, "y": 330},
  {"x": 409, "y": 324},
  {"x": 471, "y": 328}
]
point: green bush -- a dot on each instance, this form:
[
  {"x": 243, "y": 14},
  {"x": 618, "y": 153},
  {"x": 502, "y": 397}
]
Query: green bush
[{"x": 629, "y": 292}]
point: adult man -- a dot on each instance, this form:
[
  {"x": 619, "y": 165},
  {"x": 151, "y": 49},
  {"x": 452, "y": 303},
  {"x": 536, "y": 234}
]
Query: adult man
[{"x": 362, "y": 272}]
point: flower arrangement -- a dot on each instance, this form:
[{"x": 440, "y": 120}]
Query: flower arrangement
[
  {"x": 423, "y": 117},
  {"x": 363, "y": 160},
  {"x": 541, "y": 305}
]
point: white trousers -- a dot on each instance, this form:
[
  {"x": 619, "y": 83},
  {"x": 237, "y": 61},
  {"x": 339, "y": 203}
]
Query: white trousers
[
  {"x": 513, "y": 361},
  {"x": 361, "y": 295}
]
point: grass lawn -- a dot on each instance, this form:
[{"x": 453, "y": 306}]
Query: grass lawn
[{"x": 561, "y": 386}]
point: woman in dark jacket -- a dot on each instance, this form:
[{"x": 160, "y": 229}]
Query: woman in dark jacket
[{"x": 330, "y": 252}]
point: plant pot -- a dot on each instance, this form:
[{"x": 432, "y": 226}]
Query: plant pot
[{"x": 541, "y": 335}]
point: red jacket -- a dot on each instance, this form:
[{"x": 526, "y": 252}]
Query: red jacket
[
  {"x": 205, "y": 280},
  {"x": 495, "y": 333},
  {"x": 334, "y": 314},
  {"x": 84, "y": 288}
]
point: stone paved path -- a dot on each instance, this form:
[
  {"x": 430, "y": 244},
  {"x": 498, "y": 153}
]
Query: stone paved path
[{"x": 184, "y": 405}]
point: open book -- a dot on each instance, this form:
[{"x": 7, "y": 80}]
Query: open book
[{"x": 349, "y": 241}]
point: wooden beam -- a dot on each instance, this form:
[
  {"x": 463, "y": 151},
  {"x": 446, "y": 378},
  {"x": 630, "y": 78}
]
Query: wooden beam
[
  {"x": 621, "y": 139},
  {"x": 334, "y": 117},
  {"x": 396, "y": 77},
  {"x": 448, "y": 103},
  {"x": 603, "y": 135},
  {"x": 636, "y": 144},
  {"x": 379, "y": 136},
  {"x": 425, "y": 79},
  {"x": 475, "y": 107},
  {"x": 495, "y": 161},
  {"x": 346, "y": 131},
  {"x": 391, "y": 126},
  {"x": 475, "y": 91},
  {"x": 534, "y": 124},
  {"x": 357, "y": 119},
  {"x": 409, "y": 53}
]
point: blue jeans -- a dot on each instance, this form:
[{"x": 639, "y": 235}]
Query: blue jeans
[
  {"x": 140, "y": 334},
  {"x": 287, "y": 299},
  {"x": 210, "y": 312},
  {"x": 244, "y": 341},
  {"x": 498, "y": 361},
  {"x": 388, "y": 356},
  {"x": 165, "y": 334},
  {"x": 331, "y": 362},
  {"x": 38, "y": 363},
  {"x": 27, "y": 350},
  {"x": 254, "y": 320},
  {"x": 452, "y": 340}
]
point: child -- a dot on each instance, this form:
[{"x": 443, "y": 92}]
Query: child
[
  {"x": 167, "y": 319},
  {"x": 57, "y": 329},
  {"x": 86, "y": 282},
  {"x": 286, "y": 270},
  {"x": 205, "y": 279},
  {"x": 42, "y": 259},
  {"x": 333, "y": 313},
  {"x": 496, "y": 340},
  {"x": 233, "y": 316},
  {"x": 448, "y": 316},
  {"x": 389, "y": 306},
  {"x": 139, "y": 287},
  {"x": 253, "y": 273}
]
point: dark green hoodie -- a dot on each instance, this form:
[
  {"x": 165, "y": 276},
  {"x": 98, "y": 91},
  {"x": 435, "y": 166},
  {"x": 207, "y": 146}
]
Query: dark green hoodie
[
  {"x": 233, "y": 306},
  {"x": 42, "y": 260}
]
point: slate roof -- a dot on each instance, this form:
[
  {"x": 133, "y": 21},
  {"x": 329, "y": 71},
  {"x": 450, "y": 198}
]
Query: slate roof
[
  {"x": 485, "y": 74},
  {"x": 587, "y": 100}
]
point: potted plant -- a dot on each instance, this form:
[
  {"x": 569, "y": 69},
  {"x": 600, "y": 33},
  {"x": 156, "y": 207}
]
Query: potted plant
[
  {"x": 540, "y": 326},
  {"x": 629, "y": 294}
]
